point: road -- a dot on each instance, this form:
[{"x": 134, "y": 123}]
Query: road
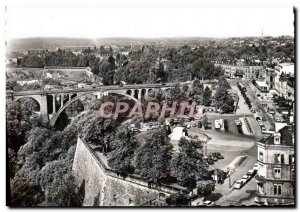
[{"x": 102, "y": 88}]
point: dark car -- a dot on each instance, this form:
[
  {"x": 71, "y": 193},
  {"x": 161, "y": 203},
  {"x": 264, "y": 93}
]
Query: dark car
[{"x": 218, "y": 155}]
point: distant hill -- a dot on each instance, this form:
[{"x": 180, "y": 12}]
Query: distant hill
[{"x": 24, "y": 44}]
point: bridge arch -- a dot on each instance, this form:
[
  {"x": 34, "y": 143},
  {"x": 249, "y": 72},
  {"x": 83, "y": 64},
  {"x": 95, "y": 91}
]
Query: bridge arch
[
  {"x": 84, "y": 95},
  {"x": 34, "y": 108}
]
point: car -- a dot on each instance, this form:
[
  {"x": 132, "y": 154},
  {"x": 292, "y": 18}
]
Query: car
[
  {"x": 199, "y": 124},
  {"x": 194, "y": 125},
  {"x": 210, "y": 161},
  {"x": 208, "y": 203},
  {"x": 251, "y": 172},
  {"x": 188, "y": 126},
  {"x": 245, "y": 178},
  {"x": 217, "y": 155},
  {"x": 238, "y": 122},
  {"x": 217, "y": 124},
  {"x": 255, "y": 167},
  {"x": 258, "y": 118},
  {"x": 214, "y": 158},
  {"x": 238, "y": 184}
]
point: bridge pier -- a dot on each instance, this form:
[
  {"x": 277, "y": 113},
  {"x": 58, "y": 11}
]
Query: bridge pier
[
  {"x": 44, "y": 108},
  {"x": 146, "y": 94},
  {"x": 61, "y": 100},
  {"x": 53, "y": 104},
  {"x": 140, "y": 95}
]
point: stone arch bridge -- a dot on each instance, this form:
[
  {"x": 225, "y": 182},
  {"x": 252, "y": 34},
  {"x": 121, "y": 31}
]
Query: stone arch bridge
[{"x": 61, "y": 98}]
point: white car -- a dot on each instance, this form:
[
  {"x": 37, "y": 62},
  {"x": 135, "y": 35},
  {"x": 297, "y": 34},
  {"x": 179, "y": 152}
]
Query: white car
[
  {"x": 245, "y": 178},
  {"x": 217, "y": 124},
  {"x": 208, "y": 203},
  {"x": 251, "y": 172},
  {"x": 255, "y": 167},
  {"x": 238, "y": 184}
]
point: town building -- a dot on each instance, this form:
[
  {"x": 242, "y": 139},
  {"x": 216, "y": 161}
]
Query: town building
[
  {"x": 262, "y": 86},
  {"x": 276, "y": 170},
  {"x": 282, "y": 70},
  {"x": 254, "y": 72},
  {"x": 270, "y": 78}
]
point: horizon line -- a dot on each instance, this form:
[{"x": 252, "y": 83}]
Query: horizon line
[{"x": 149, "y": 38}]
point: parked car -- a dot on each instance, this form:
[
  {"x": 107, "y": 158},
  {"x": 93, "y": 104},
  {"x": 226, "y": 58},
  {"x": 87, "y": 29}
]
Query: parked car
[
  {"x": 194, "y": 125},
  {"x": 208, "y": 203},
  {"x": 263, "y": 127},
  {"x": 217, "y": 124},
  {"x": 251, "y": 172},
  {"x": 218, "y": 155},
  {"x": 199, "y": 124},
  {"x": 214, "y": 158},
  {"x": 255, "y": 167},
  {"x": 238, "y": 122},
  {"x": 238, "y": 184},
  {"x": 245, "y": 178}
]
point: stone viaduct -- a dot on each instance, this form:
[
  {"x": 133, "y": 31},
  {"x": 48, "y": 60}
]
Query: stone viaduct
[{"x": 60, "y": 99}]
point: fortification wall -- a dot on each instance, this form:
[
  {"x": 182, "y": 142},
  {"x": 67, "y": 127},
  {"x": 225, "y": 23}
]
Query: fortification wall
[{"x": 104, "y": 187}]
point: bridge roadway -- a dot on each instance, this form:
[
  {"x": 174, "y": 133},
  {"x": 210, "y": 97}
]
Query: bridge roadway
[{"x": 79, "y": 90}]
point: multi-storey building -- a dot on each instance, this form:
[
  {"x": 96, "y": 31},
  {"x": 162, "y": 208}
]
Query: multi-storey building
[
  {"x": 276, "y": 171},
  {"x": 270, "y": 78},
  {"x": 254, "y": 72},
  {"x": 282, "y": 72}
]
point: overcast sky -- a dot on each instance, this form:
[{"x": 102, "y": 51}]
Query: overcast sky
[{"x": 155, "y": 18}]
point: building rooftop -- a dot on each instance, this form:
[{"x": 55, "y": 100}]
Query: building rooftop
[
  {"x": 287, "y": 68},
  {"x": 261, "y": 83},
  {"x": 287, "y": 134}
]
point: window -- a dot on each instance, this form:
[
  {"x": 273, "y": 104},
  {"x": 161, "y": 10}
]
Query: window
[
  {"x": 277, "y": 189},
  {"x": 282, "y": 158},
  {"x": 292, "y": 174},
  {"x": 277, "y": 174},
  {"x": 278, "y": 158},
  {"x": 261, "y": 156},
  {"x": 291, "y": 159}
]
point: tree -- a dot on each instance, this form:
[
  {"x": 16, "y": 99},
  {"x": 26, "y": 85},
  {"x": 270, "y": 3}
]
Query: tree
[
  {"x": 122, "y": 154},
  {"x": 152, "y": 159},
  {"x": 205, "y": 187},
  {"x": 207, "y": 97},
  {"x": 188, "y": 165},
  {"x": 205, "y": 121},
  {"x": 223, "y": 100},
  {"x": 177, "y": 200},
  {"x": 19, "y": 120}
]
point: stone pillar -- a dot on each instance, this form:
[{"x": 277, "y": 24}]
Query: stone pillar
[
  {"x": 69, "y": 96},
  {"x": 146, "y": 94},
  {"x": 54, "y": 107},
  {"x": 132, "y": 92},
  {"x": 44, "y": 107},
  {"x": 61, "y": 100},
  {"x": 140, "y": 95}
]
